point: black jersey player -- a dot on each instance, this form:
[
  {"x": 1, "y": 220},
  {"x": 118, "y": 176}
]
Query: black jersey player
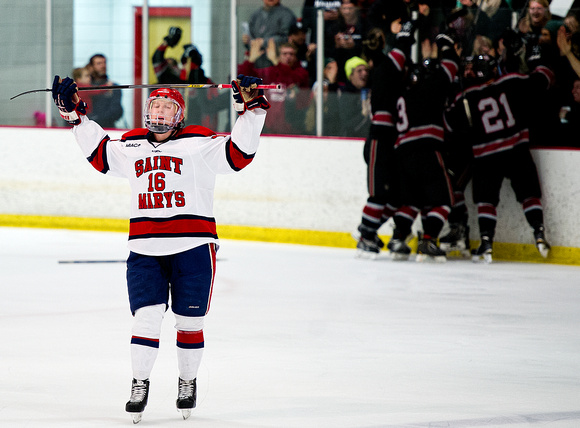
[
  {"x": 425, "y": 184},
  {"x": 383, "y": 198},
  {"x": 496, "y": 118}
]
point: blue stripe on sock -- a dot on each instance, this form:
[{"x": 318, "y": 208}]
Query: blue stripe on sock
[
  {"x": 145, "y": 342},
  {"x": 190, "y": 345}
]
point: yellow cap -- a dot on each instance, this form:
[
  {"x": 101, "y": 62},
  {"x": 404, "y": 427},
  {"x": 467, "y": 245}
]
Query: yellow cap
[{"x": 353, "y": 63}]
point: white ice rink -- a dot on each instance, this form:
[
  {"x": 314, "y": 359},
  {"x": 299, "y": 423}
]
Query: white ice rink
[{"x": 296, "y": 337}]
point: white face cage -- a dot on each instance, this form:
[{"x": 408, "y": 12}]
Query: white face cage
[{"x": 161, "y": 114}]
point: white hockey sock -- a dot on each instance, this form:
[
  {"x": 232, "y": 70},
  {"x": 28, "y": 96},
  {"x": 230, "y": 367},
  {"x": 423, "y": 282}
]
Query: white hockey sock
[
  {"x": 142, "y": 359},
  {"x": 189, "y": 352},
  {"x": 145, "y": 339}
]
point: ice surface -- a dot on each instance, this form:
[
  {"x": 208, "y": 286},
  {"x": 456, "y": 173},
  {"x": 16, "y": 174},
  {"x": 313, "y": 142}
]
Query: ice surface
[{"x": 296, "y": 337}]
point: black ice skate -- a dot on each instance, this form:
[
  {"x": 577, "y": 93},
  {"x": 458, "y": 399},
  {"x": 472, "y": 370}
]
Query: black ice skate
[
  {"x": 138, "y": 400},
  {"x": 428, "y": 251},
  {"x": 186, "y": 396},
  {"x": 398, "y": 249},
  {"x": 456, "y": 240},
  {"x": 369, "y": 244},
  {"x": 483, "y": 253},
  {"x": 541, "y": 243}
]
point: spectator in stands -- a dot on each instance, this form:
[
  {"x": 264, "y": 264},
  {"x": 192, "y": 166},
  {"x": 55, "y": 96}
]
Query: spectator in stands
[
  {"x": 354, "y": 99},
  {"x": 429, "y": 22},
  {"x": 348, "y": 35},
  {"x": 482, "y": 45},
  {"x": 306, "y": 52},
  {"x": 204, "y": 105},
  {"x": 167, "y": 70},
  {"x": 569, "y": 45},
  {"x": 309, "y": 17},
  {"x": 82, "y": 77},
  {"x": 107, "y": 107},
  {"x": 382, "y": 14},
  {"x": 510, "y": 51},
  {"x": 530, "y": 26},
  {"x": 271, "y": 21},
  {"x": 373, "y": 50},
  {"x": 288, "y": 106},
  {"x": 548, "y": 41},
  {"x": 546, "y": 121},
  {"x": 499, "y": 12},
  {"x": 570, "y": 119},
  {"x": 468, "y": 21},
  {"x": 567, "y": 65},
  {"x": 538, "y": 14},
  {"x": 571, "y": 23},
  {"x": 330, "y": 112}
]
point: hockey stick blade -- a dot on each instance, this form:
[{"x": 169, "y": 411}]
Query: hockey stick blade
[{"x": 153, "y": 86}]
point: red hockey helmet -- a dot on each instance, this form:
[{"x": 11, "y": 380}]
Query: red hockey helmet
[{"x": 164, "y": 110}]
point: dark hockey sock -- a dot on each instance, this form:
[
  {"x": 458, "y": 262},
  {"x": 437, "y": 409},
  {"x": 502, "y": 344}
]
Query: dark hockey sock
[
  {"x": 388, "y": 212},
  {"x": 434, "y": 220},
  {"x": 404, "y": 218},
  {"x": 458, "y": 214},
  {"x": 486, "y": 219},
  {"x": 534, "y": 212},
  {"x": 372, "y": 215}
]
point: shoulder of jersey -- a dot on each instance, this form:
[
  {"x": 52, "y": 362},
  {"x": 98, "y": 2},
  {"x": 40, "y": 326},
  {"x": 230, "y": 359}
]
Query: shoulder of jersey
[
  {"x": 135, "y": 134},
  {"x": 195, "y": 131}
]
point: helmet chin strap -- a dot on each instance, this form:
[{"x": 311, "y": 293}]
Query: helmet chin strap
[{"x": 173, "y": 130}]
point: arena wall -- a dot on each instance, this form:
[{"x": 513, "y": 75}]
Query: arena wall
[{"x": 297, "y": 190}]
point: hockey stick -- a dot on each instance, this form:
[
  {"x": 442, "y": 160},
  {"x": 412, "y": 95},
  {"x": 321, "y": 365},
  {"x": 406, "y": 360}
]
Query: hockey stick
[{"x": 173, "y": 85}]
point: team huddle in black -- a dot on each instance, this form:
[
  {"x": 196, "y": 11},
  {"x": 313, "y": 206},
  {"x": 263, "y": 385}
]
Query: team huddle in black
[{"x": 437, "y": 125}]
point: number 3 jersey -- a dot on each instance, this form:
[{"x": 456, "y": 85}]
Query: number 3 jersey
[
  {"x": 497, "y": 116},
  {"x": 172, "y": 183}
]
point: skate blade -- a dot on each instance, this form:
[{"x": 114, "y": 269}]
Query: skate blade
[
  {"x": 369, "y": 255},
  {"x": 456, "y": 246},
  {"x": 399, "y": 257},
  {"x": 186, "y": 413},
  {"x": 425, "y": 258},
  {"x": 544, "y": 249},
  {"x": 465, "y": 254},
  {"x": 483, "y": 258},
  {"x": 136, "y": 417}
]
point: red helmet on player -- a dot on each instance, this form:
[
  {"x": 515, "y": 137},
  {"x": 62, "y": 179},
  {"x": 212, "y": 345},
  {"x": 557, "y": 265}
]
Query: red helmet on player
[{"x": 164, "y": 110}]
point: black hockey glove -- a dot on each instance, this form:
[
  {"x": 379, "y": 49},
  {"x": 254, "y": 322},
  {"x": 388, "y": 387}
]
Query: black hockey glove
[
  {"x": 172, "y": 39},
  {"x": 513, "y": 42},
  {"x": 190, "y": 51},
  {"x": 405, "y": 37},
  {"x": 66, "y": 98},
  {"x": 247, "y": 96},
  {"x": 535, "y": 58},
  {"x": 444, "y": 42}
]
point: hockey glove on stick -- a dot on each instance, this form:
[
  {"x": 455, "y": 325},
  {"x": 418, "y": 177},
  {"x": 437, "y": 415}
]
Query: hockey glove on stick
[
  {"x": 66, "y": 98},
  {"x": 247, "y": 96}
]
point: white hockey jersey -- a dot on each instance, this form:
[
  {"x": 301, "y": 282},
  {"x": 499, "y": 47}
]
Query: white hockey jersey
[{"x": 172, "y": 183}]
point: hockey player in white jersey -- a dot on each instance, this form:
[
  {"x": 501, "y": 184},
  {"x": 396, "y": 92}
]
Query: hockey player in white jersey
[{"x": 172, "y": 236}]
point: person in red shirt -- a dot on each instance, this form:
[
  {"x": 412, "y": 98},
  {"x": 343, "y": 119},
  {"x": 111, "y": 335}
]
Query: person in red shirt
[{"x": 289, "y": 104}]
